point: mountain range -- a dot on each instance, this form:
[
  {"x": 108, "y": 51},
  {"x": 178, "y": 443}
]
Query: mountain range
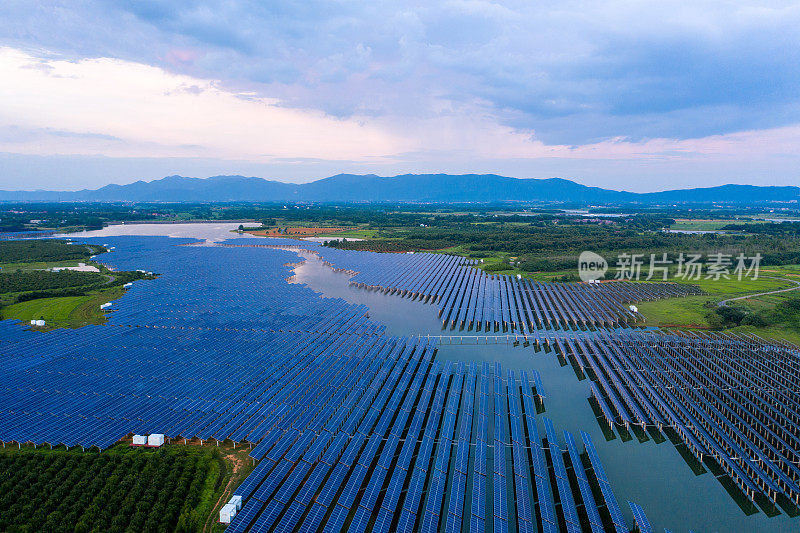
[{"x": 407, "y": 188}]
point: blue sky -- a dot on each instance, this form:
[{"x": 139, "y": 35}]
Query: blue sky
[{"x": 628, "y": 95}]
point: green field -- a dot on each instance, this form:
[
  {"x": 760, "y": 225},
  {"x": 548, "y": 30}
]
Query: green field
[
  {"x": 701, "y": 312},
  {"x": 700, "y": 224},
  {"x": 64, "y": 312},
  {"x": 687, "y": 312},
  {"x": 728, "y": 288},
  {"x": 37, "y": 265}
]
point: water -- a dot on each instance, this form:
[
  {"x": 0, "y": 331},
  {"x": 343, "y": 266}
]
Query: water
[
  {"x": 211, "y": 231},
  {"x": 652, "y": 473}
]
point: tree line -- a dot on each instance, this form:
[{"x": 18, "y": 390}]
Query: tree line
[{"x": 45, "y": 251}]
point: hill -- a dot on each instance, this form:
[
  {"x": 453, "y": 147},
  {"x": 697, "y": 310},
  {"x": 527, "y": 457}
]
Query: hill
[{"x": 411, "y": 188}]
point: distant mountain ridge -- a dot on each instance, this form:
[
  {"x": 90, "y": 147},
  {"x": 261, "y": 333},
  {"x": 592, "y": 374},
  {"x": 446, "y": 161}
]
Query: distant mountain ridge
[{"x": 406, "y": 188}]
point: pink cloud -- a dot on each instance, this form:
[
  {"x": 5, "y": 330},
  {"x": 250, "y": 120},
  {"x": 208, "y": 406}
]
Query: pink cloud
[{"x": 182, "y": 56}]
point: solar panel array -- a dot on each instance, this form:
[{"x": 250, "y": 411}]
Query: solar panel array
[
  {"x": 211, "y": 349},
  {"x": 730, "y": 397},
  {"x": 471, "y": 299},
  {"x": 403, "y": 457},
  {"x": 351, "y": 428}
]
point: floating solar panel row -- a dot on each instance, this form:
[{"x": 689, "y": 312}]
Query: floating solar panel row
[
  {"x": 640, "y": 521},
  {"x": 590, "y": 514},
  {"x": 442, "y": 427},
  {"x": 477, "y": 522},
  {"x": 610, "y": 501},
  {"x": 523, "y": 494},
  {"x": 569, "y": 513},
  {"x": 455, "y": 511},
  {"x": 469, "y": 298},
  {"x": 731, "y": 397}
]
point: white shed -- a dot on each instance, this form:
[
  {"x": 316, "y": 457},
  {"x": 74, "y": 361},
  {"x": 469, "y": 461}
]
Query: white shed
[
  {"x": 139, "y": 440},
  {"x": 40, "y": 322},
  {"x": 227, "y": 513},
  {"x": 155, "y": 439},
  {"x": 237, "y": 501},
  {"x": 634, "y": 309}
]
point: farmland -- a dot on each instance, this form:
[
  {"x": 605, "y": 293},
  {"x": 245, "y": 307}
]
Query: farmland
[{"x": 121, "y": 489}]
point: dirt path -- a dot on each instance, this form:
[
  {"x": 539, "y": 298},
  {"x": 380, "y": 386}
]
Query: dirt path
[
  {"x": 236, "y": 463},
  {"x": 745, "y": 297}
]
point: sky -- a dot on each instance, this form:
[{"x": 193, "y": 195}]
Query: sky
[{"x": 632, "y": 95}]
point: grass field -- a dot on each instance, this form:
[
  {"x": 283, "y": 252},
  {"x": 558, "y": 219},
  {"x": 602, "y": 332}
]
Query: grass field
[
  {"x": 64, "y": 312},
  {"x": 693, "y": 312},
  {"x": 354, "y": 233},
  {"x": 728, "y": 288},
  {"x": 689, "y": 312}
]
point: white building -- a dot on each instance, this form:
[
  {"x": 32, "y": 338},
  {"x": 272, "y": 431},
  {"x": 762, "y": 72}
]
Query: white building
[
  {"x": 237, "y": 501},
  {"x": 227, "y": 513}
]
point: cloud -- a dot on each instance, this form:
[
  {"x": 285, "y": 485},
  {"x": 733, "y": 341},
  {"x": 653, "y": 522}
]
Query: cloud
[
  {"x": 120, "y": 108},
  {"x": 302, "y": 87},
  {"x": 100, "y": 101},
  {"x": 575, "y": 72}
]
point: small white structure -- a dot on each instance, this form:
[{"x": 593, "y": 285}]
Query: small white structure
[
  {"x": 237, "y": 501},
  {"x": 33, "y": 322},
  {"x": 129, "y": 284},
  {"x": 227, "y": 513},
  {"x": 139, "y": 440},
  {"x": 634, "y": 308},
  {"x": 40, "y": 322},
  {"x": 519, "y": 276},
  {"x": 155, "y": 439},
  {"x": 105, "y": 305}
]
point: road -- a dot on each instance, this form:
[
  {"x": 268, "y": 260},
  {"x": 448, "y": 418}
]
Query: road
[{"x": 746, "y": 296}]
